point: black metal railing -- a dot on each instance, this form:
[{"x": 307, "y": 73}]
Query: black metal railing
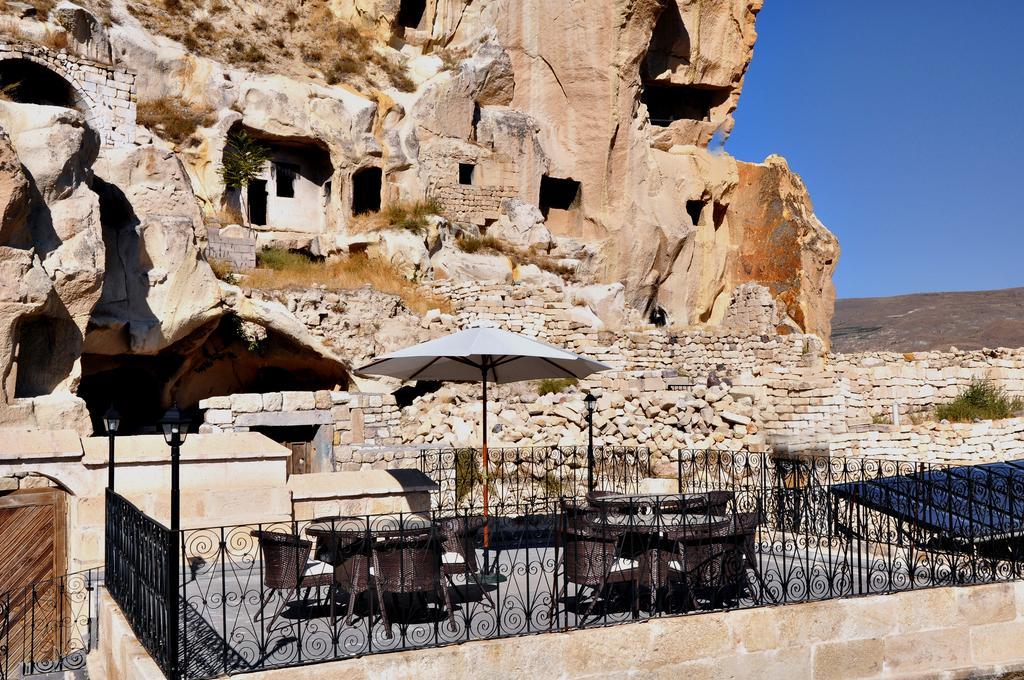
[
  {"x": 742, "y": 530},
  {"x": 746, "y": 530},
  {"x": 140, "y": 575},
  {"x": 523, "y": 479},
  {"x": 49, "y": 626}
]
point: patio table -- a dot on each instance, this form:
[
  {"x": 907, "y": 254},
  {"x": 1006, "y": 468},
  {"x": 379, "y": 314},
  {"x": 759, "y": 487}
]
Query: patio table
[
  {"x": 652, "y": 538},
  {"x": 341, "y": 539}
]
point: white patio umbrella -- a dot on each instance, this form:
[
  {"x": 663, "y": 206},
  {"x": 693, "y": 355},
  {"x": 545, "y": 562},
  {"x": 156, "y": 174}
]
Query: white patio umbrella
[{"x": 482, "y": 354}]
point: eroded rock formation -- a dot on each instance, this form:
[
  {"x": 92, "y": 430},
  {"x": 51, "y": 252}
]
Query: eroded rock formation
[{"x": 584, "y": 135}]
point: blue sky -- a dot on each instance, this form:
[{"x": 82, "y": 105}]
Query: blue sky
[{"x": 905, "y": 119}]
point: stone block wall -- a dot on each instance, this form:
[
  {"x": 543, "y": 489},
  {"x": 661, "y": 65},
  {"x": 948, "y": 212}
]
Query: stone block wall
[
  {"x": 106, "y": 94},
  {"x": 239, "y": 252},
  {"x": 957, "y": 443},
  {"x": 972, "y": 631},
  {"x": 872, "y": 381},
  {"x": 471, "y": 203},
  {"x": 808, "y": 401}
]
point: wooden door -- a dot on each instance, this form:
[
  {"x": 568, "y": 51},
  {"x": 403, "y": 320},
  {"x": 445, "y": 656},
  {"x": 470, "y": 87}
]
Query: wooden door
[
  {"x": 302, "y": 458},
  {"x": 32, "y": 558}
]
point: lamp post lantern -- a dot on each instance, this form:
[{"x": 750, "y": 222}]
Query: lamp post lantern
[
  {"x": 112, "y": 421},
  {"x": 590, "y": 401},
  {"x": 175, "y": 429}
]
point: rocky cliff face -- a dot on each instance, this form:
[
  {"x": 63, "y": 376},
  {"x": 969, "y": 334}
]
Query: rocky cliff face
[{"x": 585, "y": 132}]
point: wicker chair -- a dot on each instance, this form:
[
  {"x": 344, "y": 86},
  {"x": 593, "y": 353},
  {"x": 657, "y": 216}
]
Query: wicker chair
[
  {"x": 711, "y": 560},
  {"x": 287, "y": 567},
  {"x": 409, "y": 565},
  {"x": 591, "y": 556},
  {"x": 459, "y": 555}
]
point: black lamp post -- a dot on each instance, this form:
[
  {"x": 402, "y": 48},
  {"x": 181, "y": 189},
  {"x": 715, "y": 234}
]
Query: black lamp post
[
  {"x": 590, "y": 401},
  {"x": 112, "y": 421},
  {"x": 175, "y": 428}
]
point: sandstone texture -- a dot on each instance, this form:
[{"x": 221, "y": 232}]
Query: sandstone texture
[{"x": 576, "y": 146}]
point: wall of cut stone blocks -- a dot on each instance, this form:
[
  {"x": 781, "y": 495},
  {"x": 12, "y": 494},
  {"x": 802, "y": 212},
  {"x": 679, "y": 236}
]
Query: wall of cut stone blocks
[
  {"x": 471, "y": 203},
  {"x": 240, "y": 253},
  {"x": 972, "y": 631},
  {"x": 107, "y": 93}
]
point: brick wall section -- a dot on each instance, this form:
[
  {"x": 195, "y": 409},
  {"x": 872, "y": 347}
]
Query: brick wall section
[
  {"x": 106, "y": 93},
  {"x": 471, "y": 203},
  {"x": 239, "y": 252}
]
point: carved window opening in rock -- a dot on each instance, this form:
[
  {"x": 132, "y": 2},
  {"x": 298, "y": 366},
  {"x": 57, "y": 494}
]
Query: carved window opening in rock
[
  {"x": 284, "y": 179},
  {"x": 289, "y": 195},
  {"x": 667, "y": 103},
  {"x": 695, "y": 209},
  {"x": 658, "y": 316},
  {"x": 311, "y": 445},
  {"x": 718, "y": 215},
  {"x": 44, "y": 354},
  {"x": 366, "y": 189},
  {"x": 466, "y": 172},
  {"x": 477, "y": 114},
  {"x": 559, "y": 203},
  {"x": 410, "y": 13},
  {"x": 27, "y": 82},
  {"x": 670, "y": 43},
  {"x": 256, "y": 199}
]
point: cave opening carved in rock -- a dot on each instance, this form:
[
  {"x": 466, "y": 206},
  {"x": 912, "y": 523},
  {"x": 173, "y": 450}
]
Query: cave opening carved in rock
[
  {"x": 293, "y": 191},
  {"x": 559, "y": 202},
  {"x": 215, "y": 361},
  {"x": 366, "y": 190},
  {"x": 410, "y": 13},
  {"x": 47, "y": 347},
  {"x": 668, "y": 102},
  {"x": 27, "y": 82},
  {"x": 670, "y": 43}
]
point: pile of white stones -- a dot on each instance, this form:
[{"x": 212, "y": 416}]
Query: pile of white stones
[{"x": 665, "y": 421}]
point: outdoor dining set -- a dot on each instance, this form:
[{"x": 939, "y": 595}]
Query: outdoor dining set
[{"x": 685, "y": 551}]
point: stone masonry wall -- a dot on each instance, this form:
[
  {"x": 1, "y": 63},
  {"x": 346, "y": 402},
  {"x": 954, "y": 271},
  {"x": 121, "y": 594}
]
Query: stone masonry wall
[
  {"x": 807, "y": 400},
  {"x": 972, "y": 631},
  {"x": 471, "y": 203},
  {"x": 105, "y": 93},
  {"x": 239, "y": 252}
]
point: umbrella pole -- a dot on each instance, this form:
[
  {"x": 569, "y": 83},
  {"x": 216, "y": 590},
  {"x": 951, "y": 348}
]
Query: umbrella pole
[{"x": 486, "y": 464}]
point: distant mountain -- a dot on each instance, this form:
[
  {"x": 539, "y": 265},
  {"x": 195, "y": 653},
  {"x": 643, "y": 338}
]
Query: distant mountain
[{"x": 925, "y": 321}]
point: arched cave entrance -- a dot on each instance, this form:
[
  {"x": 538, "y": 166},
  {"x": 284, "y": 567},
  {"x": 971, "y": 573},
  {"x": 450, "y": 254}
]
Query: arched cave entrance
[
  {"x": 410, "y": 13},
  {"x": 27, "y": 82},
  {"x": 218, "y": 360},
  {"x": 559, "y": 202},
  {"x": 366, "y": 190}
]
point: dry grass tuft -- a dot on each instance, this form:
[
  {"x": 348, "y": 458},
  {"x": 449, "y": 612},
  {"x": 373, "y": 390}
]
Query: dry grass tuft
[
  {"x": 174, "y": 118},
  {"x": 286, "y": 36},
  {"x": 283, "y": 269},
  {"x": 55, "y": 40},
  {"x": 410, "y": 215},
  {"x": 223, "y": 270},
  {"x": 519, "y": 256}
]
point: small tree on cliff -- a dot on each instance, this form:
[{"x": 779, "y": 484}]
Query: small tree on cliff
[{"x": 243, "y": 162}]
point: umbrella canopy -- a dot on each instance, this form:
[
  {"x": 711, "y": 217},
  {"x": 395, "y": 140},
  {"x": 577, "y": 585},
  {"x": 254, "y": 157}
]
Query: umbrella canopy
[{"x": 482, "y": 354}]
